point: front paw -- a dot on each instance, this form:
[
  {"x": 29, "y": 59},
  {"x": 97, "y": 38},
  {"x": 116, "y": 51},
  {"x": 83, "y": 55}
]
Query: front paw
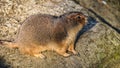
[
  {"x": 66, "y": 55},
  {"x": 74, "y": 52}
]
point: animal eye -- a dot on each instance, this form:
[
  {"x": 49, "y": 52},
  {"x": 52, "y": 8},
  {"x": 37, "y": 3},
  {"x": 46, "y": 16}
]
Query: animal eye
[{"x": 78, "y": 17}]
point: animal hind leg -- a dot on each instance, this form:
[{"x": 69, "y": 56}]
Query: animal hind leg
[{"x": 33, "y": 51}]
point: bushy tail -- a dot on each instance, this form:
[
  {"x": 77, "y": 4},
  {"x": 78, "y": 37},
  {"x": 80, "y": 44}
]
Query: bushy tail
[{"x": 9, "y": 44}]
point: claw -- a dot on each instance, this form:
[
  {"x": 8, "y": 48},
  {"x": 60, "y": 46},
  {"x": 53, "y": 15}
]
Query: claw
[
  {"x": 74, "y": 52},
  {"x": 78, "y": 54}
]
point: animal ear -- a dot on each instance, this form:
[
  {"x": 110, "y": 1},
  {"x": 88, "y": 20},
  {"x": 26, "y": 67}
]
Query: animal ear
[{"x": 71, "y": 16}]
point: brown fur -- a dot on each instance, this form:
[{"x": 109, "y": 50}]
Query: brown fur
[{"x": 42, "y": 32}]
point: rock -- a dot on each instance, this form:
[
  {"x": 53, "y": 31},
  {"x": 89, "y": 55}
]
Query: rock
[
  {"x": 98, "y": 43},
  {"x": 108, "y": 37}
]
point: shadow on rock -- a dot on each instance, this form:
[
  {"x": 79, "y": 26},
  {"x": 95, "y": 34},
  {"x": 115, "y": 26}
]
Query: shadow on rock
[
  {"x": 104, "y": 21},
  {"x": 3, "y": 63},
  {"x": 90, "y": 24}
]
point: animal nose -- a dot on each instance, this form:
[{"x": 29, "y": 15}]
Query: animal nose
[{"x": 86, "y": 18}]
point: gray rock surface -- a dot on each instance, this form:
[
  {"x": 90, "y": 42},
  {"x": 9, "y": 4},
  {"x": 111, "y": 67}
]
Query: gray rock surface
[{"x": 98, "y": 43}]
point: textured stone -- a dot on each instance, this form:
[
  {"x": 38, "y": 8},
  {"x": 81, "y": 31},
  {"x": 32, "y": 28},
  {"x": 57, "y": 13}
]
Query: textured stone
[{"x": 98, "y": 44}]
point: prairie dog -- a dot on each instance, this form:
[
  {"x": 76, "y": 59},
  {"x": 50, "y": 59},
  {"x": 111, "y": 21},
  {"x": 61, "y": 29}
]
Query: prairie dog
[{"x": 42, "y": 32}]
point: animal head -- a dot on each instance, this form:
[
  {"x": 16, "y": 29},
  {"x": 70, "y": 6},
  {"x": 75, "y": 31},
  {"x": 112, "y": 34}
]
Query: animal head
[{"x": 76, "y": 18}]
